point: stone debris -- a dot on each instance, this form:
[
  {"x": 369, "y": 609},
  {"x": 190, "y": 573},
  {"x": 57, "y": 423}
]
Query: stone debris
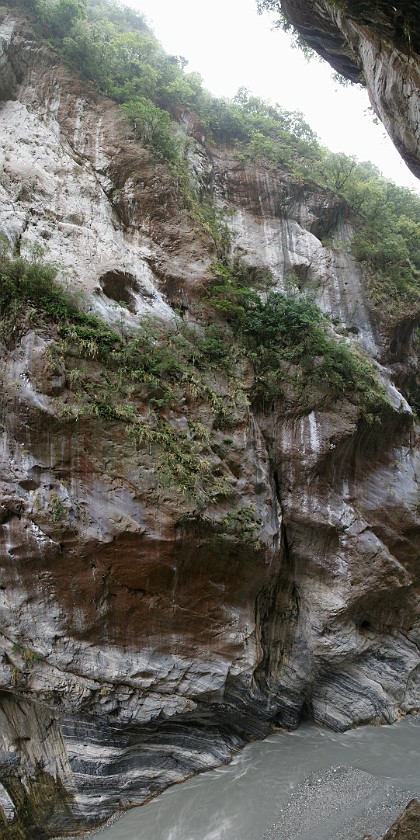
[
  {"x": 156, "y": 652},
  {"x": 339, "y": 804}
]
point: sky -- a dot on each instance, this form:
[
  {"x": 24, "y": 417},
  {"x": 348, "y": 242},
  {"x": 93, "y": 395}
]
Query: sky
[{"x": 230, "y": 45}]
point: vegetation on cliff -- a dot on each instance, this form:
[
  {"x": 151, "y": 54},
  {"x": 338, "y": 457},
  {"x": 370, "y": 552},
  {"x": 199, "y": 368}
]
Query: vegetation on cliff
[
  {"x": 387, "y": 242},
  {"x": 112, "y": 46},
  {"x": 291, "y": 344},
  {"x": 144, "y": 378},
  {"x": 285, "y": 339}
]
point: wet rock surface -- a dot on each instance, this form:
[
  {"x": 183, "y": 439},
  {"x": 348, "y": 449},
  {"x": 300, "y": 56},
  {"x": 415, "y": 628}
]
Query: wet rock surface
[{"x": 153, "y": 648}]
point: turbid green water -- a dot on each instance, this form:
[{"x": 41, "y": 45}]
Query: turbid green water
[{"x": 311, "y": 784}]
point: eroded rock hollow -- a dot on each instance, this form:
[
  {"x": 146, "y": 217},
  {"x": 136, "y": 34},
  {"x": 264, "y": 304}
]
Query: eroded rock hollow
[{"x": 147, "y": 632}]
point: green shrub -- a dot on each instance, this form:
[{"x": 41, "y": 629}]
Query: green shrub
[
  {"x": 152, "y": 125},
  {"x": 289, "y": 340},
  {"x": 26, "y": 283},
  {"x": 112, "y": 46},
  {"x": 128, "y": 379}
]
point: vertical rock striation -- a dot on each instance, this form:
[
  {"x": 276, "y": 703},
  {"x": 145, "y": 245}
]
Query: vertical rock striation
[
  {"x": 145, "y": 636},
  {"x": 377, "y": 43}
]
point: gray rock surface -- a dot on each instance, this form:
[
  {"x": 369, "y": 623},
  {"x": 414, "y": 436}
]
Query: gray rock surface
[
  {"x": 152, "y": 649},
  {"x": 379, "y": 43}
]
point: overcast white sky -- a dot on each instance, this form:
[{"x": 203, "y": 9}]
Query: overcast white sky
[{"x": 230, "y": 46}]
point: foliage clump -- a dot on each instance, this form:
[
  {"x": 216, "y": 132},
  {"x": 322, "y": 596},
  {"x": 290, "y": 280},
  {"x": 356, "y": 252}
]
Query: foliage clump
[
  {"x": 142, "y": 380},
  {"x": 28, "y": 288},
  {"x": 112, "y": 46},
  {"x": 289, "y": 340},
  {"x": 388, "y": 244},
  {"x": 240, "y": 527}
]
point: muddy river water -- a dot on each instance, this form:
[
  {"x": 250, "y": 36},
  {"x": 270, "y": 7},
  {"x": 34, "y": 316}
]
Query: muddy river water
[{"x": 311, "y": 784}]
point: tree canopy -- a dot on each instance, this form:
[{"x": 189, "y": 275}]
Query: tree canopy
[{"x": 112, "y": 46}]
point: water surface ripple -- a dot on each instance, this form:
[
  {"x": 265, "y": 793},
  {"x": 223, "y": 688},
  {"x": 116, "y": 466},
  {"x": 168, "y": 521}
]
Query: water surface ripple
[{"x": 311, "y": 784}]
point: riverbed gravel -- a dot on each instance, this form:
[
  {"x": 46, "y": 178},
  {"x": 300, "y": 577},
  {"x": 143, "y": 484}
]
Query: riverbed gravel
[{"x": 341, "y": 803}]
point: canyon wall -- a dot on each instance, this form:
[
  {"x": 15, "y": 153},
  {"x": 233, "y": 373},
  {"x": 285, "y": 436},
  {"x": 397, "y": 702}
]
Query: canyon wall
[
  {"x": 376, "y": 43},
  {"x": 146, "y": 635}
]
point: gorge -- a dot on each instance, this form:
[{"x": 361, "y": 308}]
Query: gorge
[{"x": 209, "y": 444}]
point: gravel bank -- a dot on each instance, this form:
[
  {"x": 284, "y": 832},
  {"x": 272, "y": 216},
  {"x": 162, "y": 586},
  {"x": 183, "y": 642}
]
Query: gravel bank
[{"x": 340, "y": 803}]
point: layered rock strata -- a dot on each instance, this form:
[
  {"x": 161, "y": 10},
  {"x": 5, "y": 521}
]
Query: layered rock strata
[{"x": 146, "y": 641}]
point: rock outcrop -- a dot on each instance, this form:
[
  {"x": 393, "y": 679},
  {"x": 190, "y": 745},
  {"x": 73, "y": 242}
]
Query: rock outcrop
[
  {"x": 377, "y": 43},
  {"x": 407, "y": 826},
  {"x": 145, "y": 636}
]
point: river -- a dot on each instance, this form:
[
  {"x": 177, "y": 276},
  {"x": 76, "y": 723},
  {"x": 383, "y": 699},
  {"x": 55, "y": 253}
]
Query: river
[{"x": 311, "y": 784}]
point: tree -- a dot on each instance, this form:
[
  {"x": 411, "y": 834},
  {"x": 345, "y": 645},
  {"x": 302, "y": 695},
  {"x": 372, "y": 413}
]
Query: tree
[
  {"x": 89, "y": 48},
  {"x": 60, "y": 17},
  {"x": 338, "y": 170},
  {"x": 152, "y": 125}
]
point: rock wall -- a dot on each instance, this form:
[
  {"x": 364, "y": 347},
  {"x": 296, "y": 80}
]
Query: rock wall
[
  {"x": 407, "y": 825},
  {"x": 379, "y": 44},
  {"x": 149, "y": 643}
]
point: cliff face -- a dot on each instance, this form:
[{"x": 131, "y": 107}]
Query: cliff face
[
  {"x": 145, "y": 634},
  {"x": 378, "y": 43}
]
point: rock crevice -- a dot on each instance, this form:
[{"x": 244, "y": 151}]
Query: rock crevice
[{"x": 150, "y": 632}]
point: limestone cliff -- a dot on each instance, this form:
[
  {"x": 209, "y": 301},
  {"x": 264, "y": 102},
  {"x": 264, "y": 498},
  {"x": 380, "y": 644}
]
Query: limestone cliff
[
  {"x": 147, "y": 631},
  {"x": 374, "y": 42}
]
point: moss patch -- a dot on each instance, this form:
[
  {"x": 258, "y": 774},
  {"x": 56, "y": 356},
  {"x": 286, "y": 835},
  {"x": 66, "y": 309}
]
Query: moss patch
[
  {"x": 157, "y": 382},
  {"x": 295, "y": 354}
]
